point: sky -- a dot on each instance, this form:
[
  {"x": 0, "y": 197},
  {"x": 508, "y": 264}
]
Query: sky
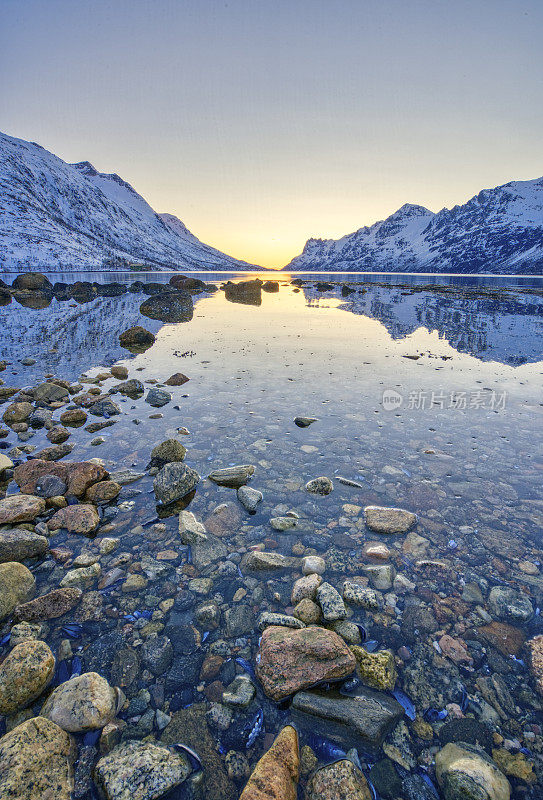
[{"x": 261, "y": 123}]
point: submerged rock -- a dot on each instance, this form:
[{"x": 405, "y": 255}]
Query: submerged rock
[
  {"x": 36, "y": 762},
  {"x": 321, "y": 485},
  {"x": 338, "y": 780},
  {"x": 331, "y": 603},
  {"x": 375, "y": 669},
  {"x": 173, "y": 482},
  {"x": 140, "y": 771},
  {"x": 17, "y": 544},
  {"x": 291, "y": 660},
  {"x": 86, "y": 702},
  {"x": 24, "y": 674},
  {"x": 466, "y": 772},
  {"x": 232, "y": 476},
  {"x": 17, "y": 585},
  {"x": 48, "y": 606},
  {"x": 249, "y": 498},
  {"x": 81, "y": 518},
  {"x": 276, "y": 775},
  {"x": 158, "y": 397},
  {"x": 389, "y": 520}
]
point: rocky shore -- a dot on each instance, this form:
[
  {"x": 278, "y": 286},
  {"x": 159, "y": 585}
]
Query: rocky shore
[{"x": 148, "y": 650}]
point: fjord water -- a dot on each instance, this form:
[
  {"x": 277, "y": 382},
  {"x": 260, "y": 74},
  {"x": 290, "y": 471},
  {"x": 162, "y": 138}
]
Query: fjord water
[{"x": 428, "y": 394}]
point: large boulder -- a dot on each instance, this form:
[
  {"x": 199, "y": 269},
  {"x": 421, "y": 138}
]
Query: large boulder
[
  {"x": 342, "y": 779},
  {"x": 24, "y": 674},
  {"x": 140, "y": 771},
  {"x": 86, "y": 702},
  {"x": 363, "y": 719},
  {"x": 36, "y": 762},
  {"x": 16, "y": 544},
  {"x": 17, "y": 585},
  {"x": 292, "y": 660},
  {"x": 174, "y": 482},
  {"x": 248, "y": 293},
  {"x": 78, "y": 476},
  {"x": 33, "y": 281},
  {"x": 168, "y": 307},
  {"x": 49, "y": 392},
  {"x": 20, "y": 508},
  {"x": 137, "y": 339},
  {"x": 276, "y": 775},
  {"x": 466, "y": 772}
]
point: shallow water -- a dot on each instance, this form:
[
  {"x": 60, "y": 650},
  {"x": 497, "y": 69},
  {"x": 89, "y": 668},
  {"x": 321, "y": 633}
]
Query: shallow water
[{"x": 428, "y": 392}]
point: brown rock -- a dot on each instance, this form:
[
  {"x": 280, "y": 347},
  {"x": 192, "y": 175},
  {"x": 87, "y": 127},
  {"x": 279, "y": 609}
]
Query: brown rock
[
  {"x": 17, "y": 412},
  {"x": 82, "y": 518},
  {"x": 58, "y": 434},
  {"x": 102, "y": 492},
  {"x": 389, "y": 520},
  {"x": 74, "y": 417},
  {"x": 77, "y": 475},
  {"x": 24, "y": 674},
  {"x": 291, "y": 660},
  {"x": 535, "y": 650},
  {"x": 48, "y": 606},
  {"x": 505, "y": 638},
  {"x": 455, "y": 649},
  {"x": 178, "y": 379},
  {"x": 36, "y": 762},
  {"x": 276, "y": 775},
  {"x": 20, "y": 508},
  {"x": 224, "y": 520}
]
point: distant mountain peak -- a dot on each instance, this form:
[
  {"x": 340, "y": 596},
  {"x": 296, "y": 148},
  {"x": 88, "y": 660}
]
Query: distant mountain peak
[
  {"x": 54, "y": 214},
  {"x": 497, "y": 230}
]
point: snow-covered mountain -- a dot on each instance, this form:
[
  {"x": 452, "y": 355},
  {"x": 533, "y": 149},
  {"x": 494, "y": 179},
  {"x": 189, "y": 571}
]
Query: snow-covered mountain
[
  {"x": 54, "y": 214},
  {"x": 498, "y": 231}
]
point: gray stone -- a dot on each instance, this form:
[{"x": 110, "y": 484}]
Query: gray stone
[
  {"x": 331, "y": 603},
  {"x": 239, "y": 621},
  {"x": 365, "y": 718},
  {"x": 131, "y": 388},
  {"x": 356, "y": 595},
  {"x": 16, "y": 544},
  {"x": 507, "y": 604},
  {"x": 105, "y": 408},
  {"x": 50, "y": 486},
  {"x": 320, "y": 485},
  {"x": 157, "y": 654},
  {"x": 140, "y": 771},
  {"x": 232, "y": 476},
  {"x": 268, "y": 618},
  {"x": 158, "y": 397},
  {"x": 240, "y": 692},
  {"x": 389, "y": 520},
  {"x": 381, "y": 576},
  {"x": 174, "y": 482},
  {"x": 249, "y": 498}
]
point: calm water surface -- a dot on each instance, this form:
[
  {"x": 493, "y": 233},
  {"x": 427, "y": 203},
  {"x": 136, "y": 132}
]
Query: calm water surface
[{"x": 428, "y": 393}]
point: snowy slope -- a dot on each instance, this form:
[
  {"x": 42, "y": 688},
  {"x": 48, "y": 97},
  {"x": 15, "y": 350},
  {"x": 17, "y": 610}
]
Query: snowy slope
[
  {"x": 498, "y": 231},
  {"x": 54, "y": 214}
]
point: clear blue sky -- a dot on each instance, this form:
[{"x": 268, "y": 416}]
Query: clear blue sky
[{"x": 263, "y": 122}]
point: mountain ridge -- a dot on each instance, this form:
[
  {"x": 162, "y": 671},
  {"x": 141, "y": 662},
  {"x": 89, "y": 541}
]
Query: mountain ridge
[
  {"x": 497, "y": 230},
  {"x": 71, "y": 216}
]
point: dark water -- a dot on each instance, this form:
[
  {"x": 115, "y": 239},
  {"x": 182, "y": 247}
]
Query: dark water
[{"x": 428, "y": 392}]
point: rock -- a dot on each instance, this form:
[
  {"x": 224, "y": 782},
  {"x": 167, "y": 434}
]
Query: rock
[
  {"x": 239, "y": 620},
  {"x": 291, "y": 660},
  {"x": 363, "y": 719},
  {"x": 103, "y": 492},
  {"x": 338, "y": 780},
  {"x": 24, "y": 674},
  {"x": 78, "y": 476},
  {"x": 81, "y": 578},
  {"x": 535, "y": 651},
  {"x": 17, "y": 544},
  {"x": 174, "y": 482},
  {"x": 58, "y": 435},
  {"x": 330, "y": 602},
  {"x": 514, "y": 764},
  {"x": 348, "y": 631},
  {"x": 157, "y": 397},
  {"x": 119, "y": 371},
  {"x": 466, "y": 729},
  {"x": 224, "y": 520},
  {"x": 167, "y": 452},
  {"x": 205, "y": 548},
  {"x": 20, "y": 508},
  {"x": 17, "y": 585},
  {"x": 356, "y": 595},
  {"x": 50, "y": 393},
  {"x": 178, "y": 379},
  {"x": 140, "y": 771},
  {"x": 48, "y": 606},
  {"x": 510, "y": 605},
  {"x": 33, "y": 281},
  {"x": 6, "y": 463},
  {"x": 232, "y": 476},
  {"x": 465, "y": 772},
  {"x": 168, "y": 307},
  {"x": 313, "y": 564},
  {"x": 136, "y": 338},
  {"x": 157, "y": 654},
  {"x": 249, "y": 498},
  {"x": 389, "y": 520},
  {"x": 245, "y": 292},
  {"x": 276, "y": 774},
  {"x": 305, "y": 588},
  {"x": 86, "y": 702},
  {"x": 381, "y": 576},
  {"x": 375, "y": 669},
  {"x": 50, "y": 486},
  {"x": 455, "y": 649},
  {"x": 259, "y": 560},
  {"x": 268, "y": 618},
  {"x": 36, "y": 762},
  {"x": 17, "y": 412},
  {"x": 283, "y": 523},
  {"x": 307, "y": 611},
  {"x": 81, "y": 518},
  {"x": 240, "y": 693},
  {"x": 132, "y": 388},
  {"x": 321, "y": 485},
  {"x": 104, "y": 408},
  {"x": 304, "y": 422}
]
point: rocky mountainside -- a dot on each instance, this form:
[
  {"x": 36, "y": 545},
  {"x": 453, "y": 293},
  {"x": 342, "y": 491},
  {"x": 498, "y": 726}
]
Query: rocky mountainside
[
  {"x": 54, "y": 214},
  {"x": 498, "y": 231}
]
